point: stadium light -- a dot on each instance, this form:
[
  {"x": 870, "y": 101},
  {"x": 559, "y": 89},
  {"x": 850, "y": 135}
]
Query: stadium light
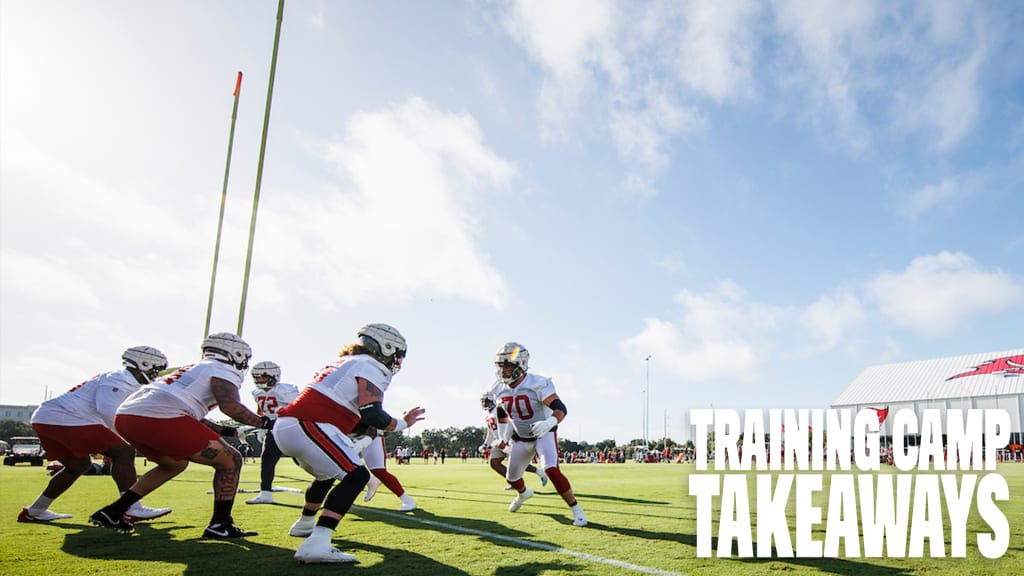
[{"x": 647, "y": 400}]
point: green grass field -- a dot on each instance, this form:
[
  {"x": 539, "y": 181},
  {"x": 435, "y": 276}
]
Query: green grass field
[{"x": 642, "y": 522}]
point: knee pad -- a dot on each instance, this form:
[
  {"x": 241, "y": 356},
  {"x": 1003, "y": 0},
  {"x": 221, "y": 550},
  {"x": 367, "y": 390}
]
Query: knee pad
[
  {"x": 317, "y": 491},
  {"x": 344, "y": 494}
]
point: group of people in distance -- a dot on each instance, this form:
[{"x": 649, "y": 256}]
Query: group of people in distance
[{"x": 333, "y": 428}]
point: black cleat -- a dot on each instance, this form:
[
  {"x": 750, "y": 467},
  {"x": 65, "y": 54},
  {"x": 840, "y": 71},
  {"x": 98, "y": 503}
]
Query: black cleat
[
  {"x": 102, "y": 518},
  {"x": 225, "y": 530}
]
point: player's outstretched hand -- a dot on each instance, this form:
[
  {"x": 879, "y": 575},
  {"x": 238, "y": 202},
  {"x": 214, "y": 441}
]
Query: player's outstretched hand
[{"x": 414, "y": 415}]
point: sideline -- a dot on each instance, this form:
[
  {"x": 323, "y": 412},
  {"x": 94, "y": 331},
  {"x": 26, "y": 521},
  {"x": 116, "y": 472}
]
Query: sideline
[{"x": 521, "y": 542}]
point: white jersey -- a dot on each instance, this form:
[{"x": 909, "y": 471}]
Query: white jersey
[
  {"x": 333, "y": 396},
  {"x": 94, "y": 401},
  {"x": 184, "y": 392},
  {"x": 492, "y": 430},
  {"x": 524, "y": 404},
  {"x": 268, "y": 401},
  {"x": 337, "y": 380}
]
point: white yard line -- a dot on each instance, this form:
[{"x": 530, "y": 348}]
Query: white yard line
[{"x": 526, "y": 543}]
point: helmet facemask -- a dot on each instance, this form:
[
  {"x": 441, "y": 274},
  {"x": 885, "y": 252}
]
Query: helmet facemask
[
  {"x": 149, "y": 361},
  {"x": 511, "y": 362},
  {"x": 385, "y": 344},
  {"x": 268, "y": 370},
  {"x": 228, "y": 348},
  {"x": 487, "y": 403}
]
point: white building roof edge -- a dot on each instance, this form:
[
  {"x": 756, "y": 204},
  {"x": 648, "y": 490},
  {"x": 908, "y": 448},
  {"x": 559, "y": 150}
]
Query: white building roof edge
[{"x": 972, "y": 375}]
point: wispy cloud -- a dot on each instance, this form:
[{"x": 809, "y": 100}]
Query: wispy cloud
[
  {"x": 934, "y": 294},
  {"x": 929, "y": 197},
  {"x": 399, "y": 222}
]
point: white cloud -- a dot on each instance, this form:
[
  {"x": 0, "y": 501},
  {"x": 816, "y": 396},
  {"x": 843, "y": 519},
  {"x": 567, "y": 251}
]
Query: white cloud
[
  {"x": 400, "y": 223},
  {"x": 934, "y": 294},
  {"x": 831, "y": 318},
  {"x": 719, "y": 335},
  {"x": 723, "y": 334},
  {"x": 717, "y": 47},
  {"x": 928, "y": 198}
]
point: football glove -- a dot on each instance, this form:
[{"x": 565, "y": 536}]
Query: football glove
[
  {"x": 544, "y": 426},
  {"x": 267, "y": 423},
  {"x": 362, "y": 443}
]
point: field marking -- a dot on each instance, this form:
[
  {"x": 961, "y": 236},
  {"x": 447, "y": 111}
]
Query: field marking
[{"x": 527, "y": 543}]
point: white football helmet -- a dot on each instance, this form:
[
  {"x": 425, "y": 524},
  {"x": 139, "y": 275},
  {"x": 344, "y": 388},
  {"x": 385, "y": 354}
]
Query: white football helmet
[
  {"x": 229, "y": 348},
  {"x": 515, "y": 354},
  {"x": 266, "y": 368},
  {"x": 146, "y": 359},
  {"x": 385, "y": 343}
]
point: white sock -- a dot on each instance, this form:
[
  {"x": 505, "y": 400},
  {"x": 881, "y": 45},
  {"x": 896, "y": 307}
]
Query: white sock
[
  {"x": 321, "y": 533},
  {"x": 577, "y": 510},
  {"x": 267, "y": 493},
  {"x": 41, "y": 504}
]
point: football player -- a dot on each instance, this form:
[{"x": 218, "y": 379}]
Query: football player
[
  {"x": 374, "y": 455},
  {"x": 166, "y": 422},
  {"x": 80, "y": 422},
  {"x": 271, "y": 395},
  {"x": 534, "y": 409},
  {"x": 344, "y": 401},
  {"x": 498, "y": 439}
]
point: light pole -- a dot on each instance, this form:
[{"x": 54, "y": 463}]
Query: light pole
[{"x": 647, "y": 399}]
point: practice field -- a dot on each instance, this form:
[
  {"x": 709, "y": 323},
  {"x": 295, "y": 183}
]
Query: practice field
[{"x": 642, "y": 522}]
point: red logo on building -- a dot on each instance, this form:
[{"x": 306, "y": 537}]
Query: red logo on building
[{"x": 1008, "y": 366}]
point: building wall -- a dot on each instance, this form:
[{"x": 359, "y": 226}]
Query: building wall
[{"x": 19, "y": 413}]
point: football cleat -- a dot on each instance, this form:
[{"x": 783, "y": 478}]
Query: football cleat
[
  {"x": 139, "y": 513},
  {"x": 579, "y": 521},
  {"x": 265, "y": 497},
  {"x": 408, "y": 504},
  {"x": 104, "y": 519},
  {"x": 371, "y": 488},
  {"x": 226, "y": 529},
  {"x": 45, "y": 516},
  {"x": 303, "y": 526},
  {"x": 321, "y": 552},
  {"x": 517, "y": 503}
]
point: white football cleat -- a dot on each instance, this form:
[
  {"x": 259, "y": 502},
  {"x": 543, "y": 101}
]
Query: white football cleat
[
  {"x": 139, "y": 513},
  {"x": 303, "y": 526},
  {"x": 408, "y": 504},
  {"x": 371, "y": 488},
  {"x": 320, "y": 552},
  {"x": 543, "y": 478},
  {"x": 45, "y": 516},
  {"x": 265, "y": 497},
  {"x": 519, "y": 499},
  {"x": 579, "y": 521}
]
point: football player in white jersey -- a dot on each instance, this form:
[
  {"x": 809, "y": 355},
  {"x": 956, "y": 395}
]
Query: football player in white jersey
[
  {"x": 534, "y": 410},
  {"x": 343, "y": 402},
  {"x": 271, "y": 395},
  {"x": 166, "y": 422},
  {"x": 80, "y": 422},
  {"x": 498, "y": 439}
]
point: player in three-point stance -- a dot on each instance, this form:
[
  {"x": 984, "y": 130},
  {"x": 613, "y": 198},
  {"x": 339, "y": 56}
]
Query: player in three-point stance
[
  {"x": 80, "y": 422},
  {"x": 271, "y": 395},
  {"x": 343, "y": 402},
  {"x": 166, "y": 422},
  {"x": 535, "y": 410}
]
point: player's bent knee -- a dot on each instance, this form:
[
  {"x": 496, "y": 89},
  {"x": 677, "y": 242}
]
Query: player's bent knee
[{"x": 559, "y": 480}]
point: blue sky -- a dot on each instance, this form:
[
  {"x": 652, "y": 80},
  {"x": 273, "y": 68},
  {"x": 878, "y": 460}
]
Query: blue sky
[{"x": 763, "y": 197}]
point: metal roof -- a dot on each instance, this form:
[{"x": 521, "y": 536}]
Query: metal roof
[{"x": 973, "y": 375}]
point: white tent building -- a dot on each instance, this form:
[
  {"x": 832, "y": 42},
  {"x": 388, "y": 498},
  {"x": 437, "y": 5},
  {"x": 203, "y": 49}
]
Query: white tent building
[{"x": 989, "y": 380}]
